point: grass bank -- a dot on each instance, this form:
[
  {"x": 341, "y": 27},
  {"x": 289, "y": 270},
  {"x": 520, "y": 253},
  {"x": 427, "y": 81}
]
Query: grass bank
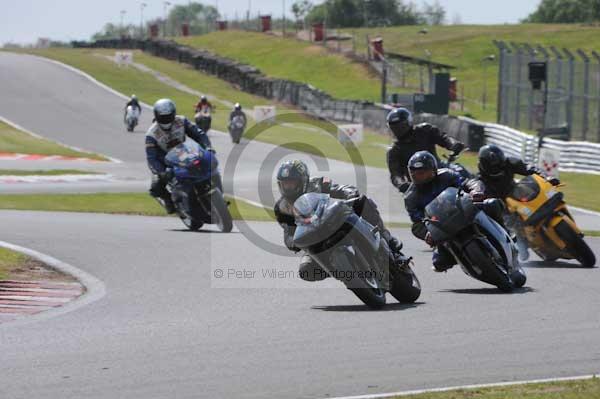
[
  {"x": 293, "y": 60},
  {"x": 15, "y": 141},
  {"x": 114, "y": 203},
  {"x": 10, "y": 260},
  {"x": 582, "y": 389},
  {"x": 51, "y": 172}
]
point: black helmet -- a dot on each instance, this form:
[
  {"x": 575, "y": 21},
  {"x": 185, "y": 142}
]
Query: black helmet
[
  {"x": 164, "y": 113},
  {"x": 422, "y": 167},
  {"x": 203, "y": 99},
  {"x": 491, "y": 161},
  {"x": 292, "y": 179},
  {"x": 400, "y": 122},
  {"x": 237, "y": 107}
]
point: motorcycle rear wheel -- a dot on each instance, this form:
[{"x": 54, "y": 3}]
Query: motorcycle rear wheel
[{"x": 373, "y": 296}]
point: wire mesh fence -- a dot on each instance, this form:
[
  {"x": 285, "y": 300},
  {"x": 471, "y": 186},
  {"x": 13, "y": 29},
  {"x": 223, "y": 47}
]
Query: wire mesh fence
[{"x": 569, "y": 101}]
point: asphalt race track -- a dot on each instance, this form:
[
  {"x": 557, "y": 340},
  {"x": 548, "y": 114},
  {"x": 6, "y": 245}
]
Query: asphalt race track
[{"x": 164, "y": 330}]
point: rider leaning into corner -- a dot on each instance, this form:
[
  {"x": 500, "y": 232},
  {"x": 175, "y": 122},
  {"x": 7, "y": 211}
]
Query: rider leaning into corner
[
  {"x": 133, "y": 101},
  {"x": 294, "y": 180},
  {"x": 408, "y": 139},
  {"x": 427, "y": 183},
  {"x": 496, "y": 180},
  {"x": 167, "y": 131}
]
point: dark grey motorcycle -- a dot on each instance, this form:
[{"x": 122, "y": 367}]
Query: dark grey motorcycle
[
  {"x": 351, "y": 250},
  {"x": 483, "y": 248}
]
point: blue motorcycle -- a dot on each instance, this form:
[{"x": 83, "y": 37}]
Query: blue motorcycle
[{"x": 196, "y": 188}]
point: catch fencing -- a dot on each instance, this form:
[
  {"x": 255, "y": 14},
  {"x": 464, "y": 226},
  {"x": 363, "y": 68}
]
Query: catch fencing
[{"x": 572, "y": 90}]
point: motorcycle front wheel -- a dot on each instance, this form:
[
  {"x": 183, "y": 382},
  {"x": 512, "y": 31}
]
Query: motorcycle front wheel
[
  {"x": 406, "y": 287},
  {"x": 219, "y": 213},
  {"x": 576, "y": 245}
]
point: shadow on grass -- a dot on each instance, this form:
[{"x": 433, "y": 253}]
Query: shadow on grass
[
  {"x": 488, "y": 291},
  {"x": 542, "y": 264},
  {"x": 392, "y": 307}
]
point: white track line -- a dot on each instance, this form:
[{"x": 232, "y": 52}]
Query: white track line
[
  {"x": 476, "y": 386},
  {"x": 95, "y": 288}
]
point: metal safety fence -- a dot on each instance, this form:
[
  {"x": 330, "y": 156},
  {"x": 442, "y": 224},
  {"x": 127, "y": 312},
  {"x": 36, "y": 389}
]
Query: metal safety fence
[{"x": 568, "y": 102}]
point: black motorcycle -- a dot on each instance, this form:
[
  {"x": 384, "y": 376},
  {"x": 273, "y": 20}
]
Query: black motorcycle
[
  {"x": 196, "y": 187},
  {"x": 236, "y": 128},
  {"x": 351, "y": 250},
  {"x": 483, "y": 247}
]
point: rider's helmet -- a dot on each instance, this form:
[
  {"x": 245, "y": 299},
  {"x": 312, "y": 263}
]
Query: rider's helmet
[
  {"x": 203, "y": 100},
  {"x": 422, "y": 167},
  {"x": 491, "y": 161},
  {"x": 237, "y": 107},
  {"x": 400, "y": 122},
  {"x": 133, "y": 97},
  {"x": 164, "y": 113},
  {"x": 292, "y": 179}
]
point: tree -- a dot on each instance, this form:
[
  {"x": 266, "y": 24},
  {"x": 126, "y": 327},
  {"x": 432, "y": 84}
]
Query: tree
[
  {"x": 301, "y": 9},
  {"x": 565, "y": 11},
  {"x": 355, "y": 13},
  {"x": 434, "y": 13}
]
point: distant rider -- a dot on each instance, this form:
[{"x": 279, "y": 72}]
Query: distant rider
[
  {"x": 408, "y": 140},
  {"x": 237, "y": 111},
  {"x": 134, "y": 103},
  {"x": 294, "y": 180},
  {"x": 167, "y": 131},
  {"x": 203, "y": 105}
]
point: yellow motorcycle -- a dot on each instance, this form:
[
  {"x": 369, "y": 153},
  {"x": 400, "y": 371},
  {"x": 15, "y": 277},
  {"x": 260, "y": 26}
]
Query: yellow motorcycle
[{"x": 546, "y": 223}]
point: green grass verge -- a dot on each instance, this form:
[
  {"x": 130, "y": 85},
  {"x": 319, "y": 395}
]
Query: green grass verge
[
  {"x": 9, "y": 260},
  {"x": 52, "y": 172},
  {"x": 115, "y": 203},
  {"x": 583, "y": 389},
  {"x": 294, "y": 60},
  {"x": 463, "y": 46},
  {"x": 16, "y": 141}
]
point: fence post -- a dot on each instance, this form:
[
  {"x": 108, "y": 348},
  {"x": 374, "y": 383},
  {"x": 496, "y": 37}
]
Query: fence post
[
  {"x": 384, "y": 81},
  {"x": 586, "y": 92},
  {"x": 369, "y": 56},
  {"x": 597, "y": 58},
  {"x": 530, "y": 94},
  {"x": 571, "y": 87},
  {"x": 518, "y": 96},
  {"x": 500, "y": 100},
  {"x": 559, "y": 73}
]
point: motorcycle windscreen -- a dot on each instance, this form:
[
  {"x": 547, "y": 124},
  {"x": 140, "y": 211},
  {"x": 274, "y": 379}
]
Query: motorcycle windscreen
[
  {"x": 189, "y": 160},
  {"x": 527, "y": 189},
  {"x": 318, "y": 217},
  {"x": 448, "y": 215}
]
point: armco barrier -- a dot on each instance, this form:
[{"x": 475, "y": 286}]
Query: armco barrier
[
  {"x": 575, "y": 156},
  {"x": 313, "y": 101}
]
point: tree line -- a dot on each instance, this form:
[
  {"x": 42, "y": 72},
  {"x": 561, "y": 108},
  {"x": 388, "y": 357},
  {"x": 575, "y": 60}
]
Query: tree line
[{"x": 565, "y": 11}]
